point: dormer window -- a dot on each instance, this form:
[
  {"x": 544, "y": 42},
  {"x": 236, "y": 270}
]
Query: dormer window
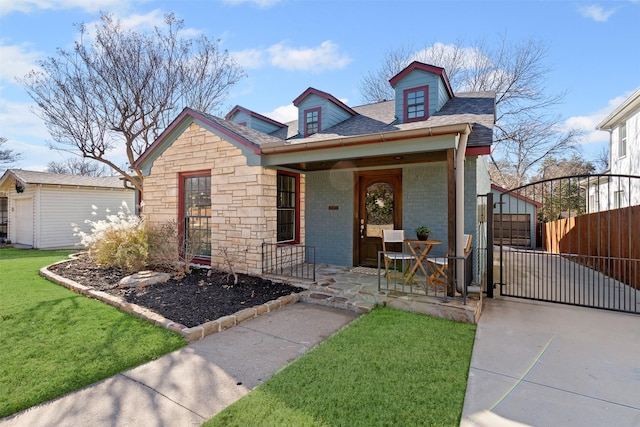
[
  {"x": 311, "y": 121},
  {"x": 415, "y": 101}
]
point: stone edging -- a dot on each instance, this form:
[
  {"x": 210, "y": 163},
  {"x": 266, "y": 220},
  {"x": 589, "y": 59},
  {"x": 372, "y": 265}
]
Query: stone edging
[{"x": 190, "y": 334}]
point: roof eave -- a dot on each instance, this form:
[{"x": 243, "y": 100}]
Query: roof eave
[
  {"x": 345, "y": 141},
  {"x": 617, "y": 115}
]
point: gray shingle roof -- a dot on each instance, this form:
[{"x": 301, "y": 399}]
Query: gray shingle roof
[
  {"x": 33, "y": 177},
  {"x": 477, "y": 108},
  {"x": 251, "y": 135}
]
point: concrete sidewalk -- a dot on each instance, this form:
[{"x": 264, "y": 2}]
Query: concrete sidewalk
[
  {"x": 188, "y": 386},
  {"x": 543, "y": 364}
]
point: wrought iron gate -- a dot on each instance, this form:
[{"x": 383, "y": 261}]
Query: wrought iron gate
[{"x": 572, "y": 240}]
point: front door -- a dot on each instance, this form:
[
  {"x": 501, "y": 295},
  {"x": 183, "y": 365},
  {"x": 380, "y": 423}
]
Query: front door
[{"x": 378, "y": 207}]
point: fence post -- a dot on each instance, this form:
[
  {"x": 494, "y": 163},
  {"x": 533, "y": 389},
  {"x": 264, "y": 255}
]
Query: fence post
[{"x": 489, "y": 245}]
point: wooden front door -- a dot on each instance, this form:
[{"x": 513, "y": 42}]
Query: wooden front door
[{"x": 378, "y": 206}]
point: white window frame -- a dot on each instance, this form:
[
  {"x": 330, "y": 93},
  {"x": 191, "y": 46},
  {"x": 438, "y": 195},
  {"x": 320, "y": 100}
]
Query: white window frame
[{"x": 622, "y": 140}]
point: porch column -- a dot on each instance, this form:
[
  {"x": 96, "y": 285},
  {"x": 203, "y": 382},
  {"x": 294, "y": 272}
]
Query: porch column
[{"x": 451, "y": 215}]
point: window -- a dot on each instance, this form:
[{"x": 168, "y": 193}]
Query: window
[
  {"x": 287, "y": 210},
  {"x": 594, "y": 199},
  {"x": 196, "y": 215},
  {"x": 311, "y": 121},
  {"x": 622, "y": 140},
  {"x": 618, "y": 199},
  {"x": 415, "y": 101}
]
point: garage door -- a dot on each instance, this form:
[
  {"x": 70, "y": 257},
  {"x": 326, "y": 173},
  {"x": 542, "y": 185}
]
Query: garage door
[
  {"x": 512, "y": 229},
  {"x": 24, "y": 222}
]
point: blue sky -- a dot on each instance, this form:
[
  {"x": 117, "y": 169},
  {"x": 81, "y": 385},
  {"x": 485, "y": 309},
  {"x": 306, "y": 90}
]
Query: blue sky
[{"x": 286, "y": 46}]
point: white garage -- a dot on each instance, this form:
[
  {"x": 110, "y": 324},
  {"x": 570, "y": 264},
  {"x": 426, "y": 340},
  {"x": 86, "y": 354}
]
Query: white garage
[{"x": 42, "y": 206}]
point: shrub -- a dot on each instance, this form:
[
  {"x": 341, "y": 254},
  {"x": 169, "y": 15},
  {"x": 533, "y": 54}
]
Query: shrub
[
  {"x": 163, "y": 245},
  {"x": 119, "y": 241}
]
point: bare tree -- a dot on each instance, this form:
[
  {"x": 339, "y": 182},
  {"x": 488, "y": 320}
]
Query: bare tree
[
  {"x": 565, "y": 194},
  {"x": 526, "y": 130},
  {"x": 602, "y": 160},
  {"x": 78, "y": 166},
  {"x": 553, "y": 167},
  {"x": 7, "y": 155},
  {"x": 117, "y": 89}
]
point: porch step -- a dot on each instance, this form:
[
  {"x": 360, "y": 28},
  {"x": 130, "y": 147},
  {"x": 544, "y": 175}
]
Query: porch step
[{"x": 332, "y": 300}]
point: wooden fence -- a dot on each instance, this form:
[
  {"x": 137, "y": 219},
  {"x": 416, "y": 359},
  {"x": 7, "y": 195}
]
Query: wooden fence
[{"x": 607, "y": 241}]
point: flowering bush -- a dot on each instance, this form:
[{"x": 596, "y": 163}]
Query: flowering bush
[{"x": 120, "y": 240}]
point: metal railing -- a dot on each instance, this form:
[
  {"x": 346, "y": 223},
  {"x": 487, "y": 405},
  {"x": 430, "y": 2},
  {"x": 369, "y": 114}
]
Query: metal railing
[
  {"x": 296, "y": 261},
  {"x": 399, "y": 278}
]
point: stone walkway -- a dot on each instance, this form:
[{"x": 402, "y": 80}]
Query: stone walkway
[{"x": 356, "y": 289}]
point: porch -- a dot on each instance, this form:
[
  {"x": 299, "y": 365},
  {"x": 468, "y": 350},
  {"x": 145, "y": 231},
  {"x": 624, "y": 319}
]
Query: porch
[{"x": 358, "y": 289}]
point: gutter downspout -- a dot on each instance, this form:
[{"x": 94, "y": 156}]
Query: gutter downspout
[{"x": 460, "y": 243}]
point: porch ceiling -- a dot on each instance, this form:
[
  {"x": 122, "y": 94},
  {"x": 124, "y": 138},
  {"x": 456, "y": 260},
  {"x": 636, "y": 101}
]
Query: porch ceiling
[
  {"x": 367, "y": 162},
  {"x": 361, "y": 152}
]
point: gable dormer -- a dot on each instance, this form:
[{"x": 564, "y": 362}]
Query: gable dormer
[
  {"x": 253, "y": 120},
  {"x": 318, "y": 110},
  {"x": 421, "y": 90}
]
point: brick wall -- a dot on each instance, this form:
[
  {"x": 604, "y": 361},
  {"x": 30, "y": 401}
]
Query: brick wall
[{"x": 243, "y": 197}]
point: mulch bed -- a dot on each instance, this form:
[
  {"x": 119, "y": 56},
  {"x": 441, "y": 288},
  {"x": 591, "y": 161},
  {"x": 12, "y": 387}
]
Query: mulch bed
[{"x": 197, "y": 298}]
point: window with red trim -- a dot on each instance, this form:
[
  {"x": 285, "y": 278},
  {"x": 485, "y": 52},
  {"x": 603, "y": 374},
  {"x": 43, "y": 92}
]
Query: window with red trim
[
  {"x": 311, "y": 121},
  {"x": 195, "y": 214},
  {"x": 288, "y": 209},
  {"x": 416, "y": 105}
]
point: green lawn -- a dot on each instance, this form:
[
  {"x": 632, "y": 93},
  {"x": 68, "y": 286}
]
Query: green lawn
[
  {"x": 54, "y": 341},
  {"x": 388, "y": 368}
]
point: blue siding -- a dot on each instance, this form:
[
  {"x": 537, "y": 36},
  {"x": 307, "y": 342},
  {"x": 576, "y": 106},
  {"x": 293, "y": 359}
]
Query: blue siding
[
  {"x": 330, "y": 231},
  {"x": 240, "y": 116},
  {"x": 424, "y": 201},
  {"x": 331, "y": 114},
  {"x": 254, "y": 122},
  {"x": 262, "y": 126},
  {"x": 443, "y": 95},
  {"x": 437, "y": 92}
]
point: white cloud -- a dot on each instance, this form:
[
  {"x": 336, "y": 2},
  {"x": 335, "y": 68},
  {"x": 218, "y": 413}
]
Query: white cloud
[
  {"x": 17, "y": 121},
  {"x": 588, "y": 124},
  {"x": 283, "y": 114},
  {"x": 250, "y": 58},
  {"x": 325, "y": 56},
  {"x": 441, "y": 55},
  {"x": 17, "y": 61},
  {"x": 596, "y": 12},
  {"x": 260, "y": 3},
  {"x": 28, "y": 6}
]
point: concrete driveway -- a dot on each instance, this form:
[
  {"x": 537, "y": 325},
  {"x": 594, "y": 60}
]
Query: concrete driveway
[{"x": 544, "y": 364}]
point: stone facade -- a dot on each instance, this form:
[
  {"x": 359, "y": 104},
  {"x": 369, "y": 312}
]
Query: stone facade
[{"x": 243, "y": 198}]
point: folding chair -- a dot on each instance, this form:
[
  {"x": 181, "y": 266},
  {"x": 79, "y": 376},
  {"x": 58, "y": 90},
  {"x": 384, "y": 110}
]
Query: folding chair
[
  {"x": 391, "y": 258},
  {"x": 439, "y": 266}
]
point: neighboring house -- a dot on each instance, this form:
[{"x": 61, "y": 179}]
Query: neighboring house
[
  {"x": 42, "y": 206},
  {"x": 623, "y": 125},
  {"x": 515, "y": 218},
  {"x": 332, "y": 179}
]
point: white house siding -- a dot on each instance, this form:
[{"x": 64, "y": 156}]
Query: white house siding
[
  {"x": 605, "y": 197},
  {"x": 628, "y": 164},
  {"x": 61, "y": 206}
]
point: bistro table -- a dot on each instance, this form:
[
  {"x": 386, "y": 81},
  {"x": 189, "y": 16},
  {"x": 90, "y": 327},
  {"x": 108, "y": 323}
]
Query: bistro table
[{"x": 419, "y": 249}]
